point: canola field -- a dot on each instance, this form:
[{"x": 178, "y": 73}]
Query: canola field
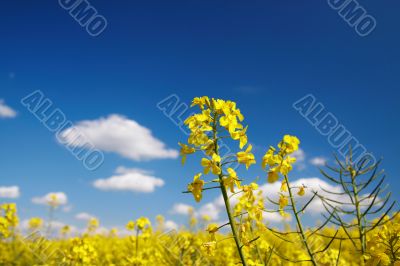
[{"x": 359, "y": 224}]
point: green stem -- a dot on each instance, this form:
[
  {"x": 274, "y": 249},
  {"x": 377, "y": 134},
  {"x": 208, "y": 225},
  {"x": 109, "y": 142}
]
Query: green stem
[
  {"x": 232, "y": 223},
  {"x": 257, "y": 248},
  {"x": 303, "y": 236},
  {"x": 226, "y": 198},
  {"x": 361, "y": 229}
]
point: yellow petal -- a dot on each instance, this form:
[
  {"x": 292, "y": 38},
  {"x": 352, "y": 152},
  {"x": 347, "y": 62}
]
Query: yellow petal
[{"x": 273, "y": 176}]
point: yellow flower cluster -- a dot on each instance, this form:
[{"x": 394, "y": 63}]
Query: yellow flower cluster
[
  {"x": 93, "y": 224},
  {"x": 194, "y": 247},
  {"x": 215, "y": 116},
  {"x": 383, "y": 243},
  {"x": 81, "y": 252},
  {"x": 35, "y": 223},
  {"x": 8, "y": 219},
  {"x": 280, "y": 161}
]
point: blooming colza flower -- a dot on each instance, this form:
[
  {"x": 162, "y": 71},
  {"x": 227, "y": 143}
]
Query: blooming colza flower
[
  {"x": 142, "y": 222},
  {"x": 130, "y": 226},
  {"x": 231, "y": 115},
  {"x": 185, "y": 150},
  {"x": 289, "y": 144},
  {"x": 241, "y": 136},
  {"x": 231, "y": 180},
  {"x": 280, "y": 162},
  {"x": 283, "y": 201},
  {"x": 212, "y": 229},
  {"x": 246, "y": 157},
  {"x": 201, "y": 101},
  {"x": 301, "y": 191},
  {"x": 35, "y": 223},
  {"x": 196, "y": 187},
  {"x": 213, "y": 164}
]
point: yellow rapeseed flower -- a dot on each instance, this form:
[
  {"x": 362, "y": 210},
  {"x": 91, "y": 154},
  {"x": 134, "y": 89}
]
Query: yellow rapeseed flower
[
  {"x": 283, "y": 201},
  {"x": 185, "y": 150},
  {"x": 301, "y": 191},
  {"x": 212, "y": 164},
  {"x": 196, "y": 187},
  {"x": 241, "y": 136},
  {"x": 246, "y": 157},
  {"x": 130, "y": 226},
  {"x": 289, "y": 144},
  {"x": 231, "y": 180},
  {"x": 142, "y": 222},
  {"x": 35, "y": 223}
]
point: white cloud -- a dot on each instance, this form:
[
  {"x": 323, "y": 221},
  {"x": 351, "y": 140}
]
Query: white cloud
[
  {"x": 55, "y": 228},
  {"x": 67, "y": 208},
  {"x": 181, "y": 208},
  {"x": 57, "y": 225},
  {"x": 312, "y": 184},
  {"x": 318, "y": 161},
  {"x": 62, "y": 198},
  {"x": 170, "y": 225},
  {"x": 299, "y": 155},
  {"x": 6, "y": 111},
  {"x": 125, "y": 179},
  {"x": 211, "y": 209},
  {"x": 9, "y": 192},
  {"x": 24, "y": 224},
  {"x": 120, "y": 135},
  {"x": 84, "y": 216}
]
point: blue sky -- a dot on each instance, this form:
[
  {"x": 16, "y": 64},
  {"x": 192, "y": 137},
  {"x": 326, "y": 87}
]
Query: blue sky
[{"x": 264, "y": 55}]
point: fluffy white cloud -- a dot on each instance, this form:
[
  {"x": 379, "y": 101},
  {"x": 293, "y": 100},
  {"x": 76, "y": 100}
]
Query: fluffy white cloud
[
  {"x": 318, "y": 161},
  {"x": 181, "y": 208},
  {"x": 55, "y": 226},
  {"x": 62, "y": 198},
  {"x": 120, "y": 135},
  {"x": 6, "y": 111},
  {"x": 9, "y": 192},
  {"x": 67, "y": 208},
  {"x": 211, "y": 209},
  {"x": 84, "y": 216},
  {"x": 312, "y": 184},
  {"x": 135, "y": 180},
  {"x": 300, "y": 156},
  {"x": 170, "y": 225}
]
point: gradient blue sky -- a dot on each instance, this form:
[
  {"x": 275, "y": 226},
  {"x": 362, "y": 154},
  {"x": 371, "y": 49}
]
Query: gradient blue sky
[{"x": 263, "y": 54}]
